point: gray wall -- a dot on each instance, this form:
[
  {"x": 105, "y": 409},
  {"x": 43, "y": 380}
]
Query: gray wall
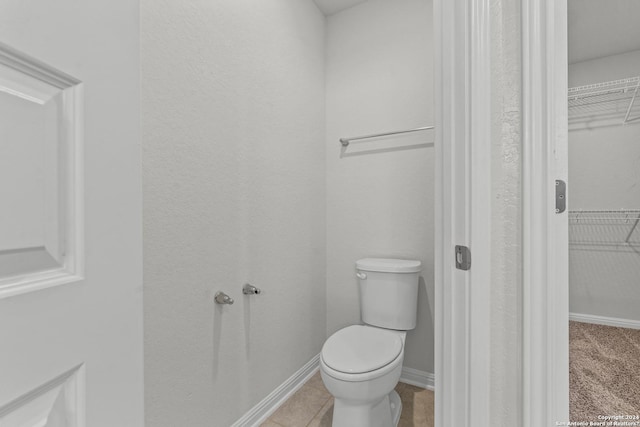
[
  {"x": 604, "y": 174},
  {"x": 234, "y": 186},
  {"x": 380, "y": 194}
]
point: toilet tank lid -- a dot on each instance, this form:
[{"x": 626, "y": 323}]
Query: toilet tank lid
[{"x": 386, "y": 265}]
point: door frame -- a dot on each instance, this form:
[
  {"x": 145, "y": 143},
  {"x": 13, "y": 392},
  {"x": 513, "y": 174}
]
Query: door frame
[
  {"x": 545, "y": 346},
  {"x": 463, "y": 184},
  {"x": 463, "y": 214}
]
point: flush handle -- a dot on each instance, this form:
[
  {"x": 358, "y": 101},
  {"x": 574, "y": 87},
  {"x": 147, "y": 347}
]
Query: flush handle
[{"x": 361, "y": 276}]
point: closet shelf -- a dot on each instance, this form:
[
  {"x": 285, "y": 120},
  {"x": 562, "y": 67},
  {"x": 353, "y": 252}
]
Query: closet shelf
[
  {"x": 616, "y": 97},
  {"x": 603, "y": 226},
  {"x": 624, "y": 216}
]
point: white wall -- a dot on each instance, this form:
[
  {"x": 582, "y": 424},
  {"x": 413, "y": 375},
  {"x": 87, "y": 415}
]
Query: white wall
[
  {"x": 604, "y": 173},
  {"x": 614, "y": 67},
  {"x": 380, "y": 194},
  {"x": 234, "y": 165}
]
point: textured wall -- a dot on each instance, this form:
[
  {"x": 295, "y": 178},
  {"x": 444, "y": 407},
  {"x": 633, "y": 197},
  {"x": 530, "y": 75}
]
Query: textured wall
[
  {"x": 599, "y": 70},
  {"x": 506, "y": 227},
  {"x": 380, "y": 194},
  {"x": 603, "y": 174},
  {"x": 234, "y": 166}
]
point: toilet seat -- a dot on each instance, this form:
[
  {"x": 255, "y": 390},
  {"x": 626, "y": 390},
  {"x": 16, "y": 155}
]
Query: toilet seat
[
  {"x": 360, "y": 353},
  {"x": 358, "y": 349}
]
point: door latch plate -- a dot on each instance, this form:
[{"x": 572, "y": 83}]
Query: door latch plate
[
  {"x": 561, "y": 196},
  {"x": 463, "y": 258}
]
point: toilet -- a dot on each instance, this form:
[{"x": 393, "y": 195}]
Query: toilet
[{"x": 360, "y": 365}]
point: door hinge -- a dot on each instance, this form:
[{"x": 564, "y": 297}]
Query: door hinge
[
  {"x": 561, "y": 196},
  {"x": 463, "y": 257}
]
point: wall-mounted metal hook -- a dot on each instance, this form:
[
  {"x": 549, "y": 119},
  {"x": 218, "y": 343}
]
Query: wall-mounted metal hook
[
  {"x": 249, "y": 289},
  {"x": 222, "y": 298}
]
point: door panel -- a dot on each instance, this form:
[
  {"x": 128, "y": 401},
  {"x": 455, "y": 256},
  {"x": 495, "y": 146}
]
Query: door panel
[
  {"x": 40, "y": 175},
  {"x": 70, "y": 215},
  {"x": 56, "y": 403}
]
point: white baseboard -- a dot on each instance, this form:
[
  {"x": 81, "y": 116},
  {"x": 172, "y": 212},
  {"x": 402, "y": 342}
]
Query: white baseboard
[
  {"x": 607, "y": 321},
  {"x": 267, "y": 406},
  {"x": 417, "y": 378}
]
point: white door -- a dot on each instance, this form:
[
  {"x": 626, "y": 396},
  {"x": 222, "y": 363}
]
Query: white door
[{"x": 70, "y": 215}]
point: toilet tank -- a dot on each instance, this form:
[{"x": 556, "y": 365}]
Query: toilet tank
[{"x": 388, "y": 292}]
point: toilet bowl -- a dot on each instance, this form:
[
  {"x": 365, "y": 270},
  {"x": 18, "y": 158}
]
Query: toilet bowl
[{"x": 360, "y": 366}]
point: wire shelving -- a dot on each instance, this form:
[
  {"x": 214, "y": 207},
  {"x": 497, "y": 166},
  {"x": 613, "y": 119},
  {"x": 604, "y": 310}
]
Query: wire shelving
[{"x": 615, "y": 98}]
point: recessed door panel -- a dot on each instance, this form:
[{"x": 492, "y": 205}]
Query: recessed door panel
[
  {"x": 40, "y": 130},
  {"x": 56, "y": 403}
]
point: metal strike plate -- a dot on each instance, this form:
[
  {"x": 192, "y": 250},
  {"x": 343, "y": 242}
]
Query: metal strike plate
[
  {"x": 561, "y": 196},
  {"x": 463, "y": 258}
]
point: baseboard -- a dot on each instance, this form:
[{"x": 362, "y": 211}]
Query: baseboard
[
  {"x": 267, "y": 406},
  {"x": 417, "y": 378},
  {"x": 607, "y": 321}
]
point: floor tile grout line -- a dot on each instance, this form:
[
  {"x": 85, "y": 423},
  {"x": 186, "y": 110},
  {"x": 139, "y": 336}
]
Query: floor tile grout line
[
  {"x": 317, "y": 388},
  {"x": 305, "y": 385},
  {"x": 316, "y": 414},
  {"x": 308, "y": 384}
]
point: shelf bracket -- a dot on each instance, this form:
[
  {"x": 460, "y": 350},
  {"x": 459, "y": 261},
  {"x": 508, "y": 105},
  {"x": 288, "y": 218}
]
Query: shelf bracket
[
  {"x": 632, "y": 230},
  {"x": 635, "y": 93}
]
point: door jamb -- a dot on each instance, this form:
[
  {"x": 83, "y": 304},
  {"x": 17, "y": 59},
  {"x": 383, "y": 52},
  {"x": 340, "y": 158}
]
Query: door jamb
[
  {"x": 545, "y": 236},
  {"x": 463, "y": 212}
]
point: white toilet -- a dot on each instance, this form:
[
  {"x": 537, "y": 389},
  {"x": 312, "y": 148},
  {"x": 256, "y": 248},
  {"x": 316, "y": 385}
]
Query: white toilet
[{"x": 361, "y": 364}]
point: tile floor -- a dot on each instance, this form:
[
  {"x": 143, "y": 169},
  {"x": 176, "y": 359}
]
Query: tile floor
[{"x": 312, "y": 406}]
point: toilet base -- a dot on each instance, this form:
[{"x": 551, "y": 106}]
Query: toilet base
[
  {"x": 396, "y": 407},
  {"x": 385, "y": 413}
]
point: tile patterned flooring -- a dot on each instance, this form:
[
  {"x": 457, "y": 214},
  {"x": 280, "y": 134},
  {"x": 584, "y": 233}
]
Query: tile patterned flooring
[{"x": 312, "y": 406}]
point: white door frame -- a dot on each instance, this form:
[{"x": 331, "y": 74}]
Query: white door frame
[
  {"x": 463, "y": 183},
  {"x": 545, "y": 233},
  {"x": 463, "y": 212}
]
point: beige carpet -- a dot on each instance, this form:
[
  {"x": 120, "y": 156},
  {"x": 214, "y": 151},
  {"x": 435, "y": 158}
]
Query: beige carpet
[{"x": 604, "y": 371}]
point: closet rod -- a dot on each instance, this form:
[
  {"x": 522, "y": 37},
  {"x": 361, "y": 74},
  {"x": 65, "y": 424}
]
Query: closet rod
[{"x": 345, "y": 141}]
